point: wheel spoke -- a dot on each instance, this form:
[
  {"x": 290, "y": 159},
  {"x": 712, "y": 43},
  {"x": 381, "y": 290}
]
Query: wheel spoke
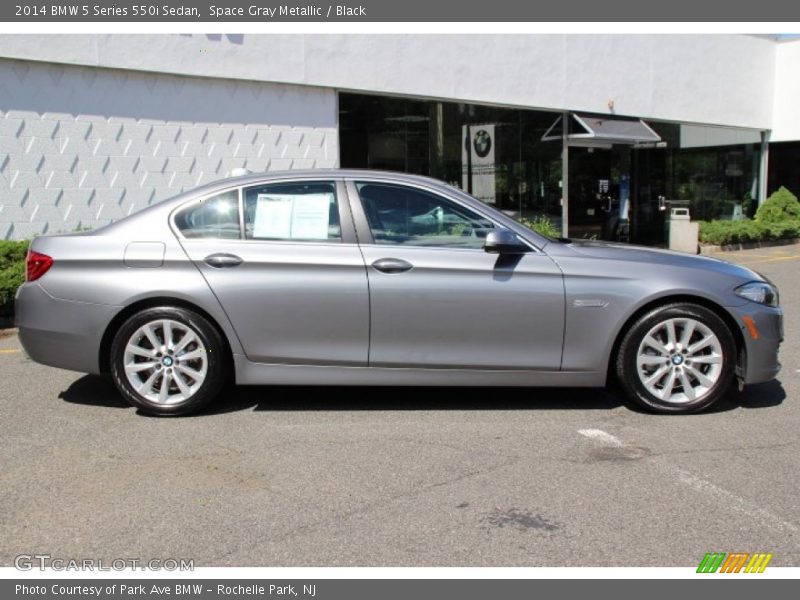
[
  {"x": 195, "y": 375},
  {"x": 163, "y": 392},
  {"x": 151, "y": 336},
  {"x": 671, "y": 337},
  {"x": 657, "y": 375},
  {"x": 655, "y": 344},
  {"x": 142, "y": 366},
  {"x": 139, "y": 351},
  {"x": 146, "y": 387},
  {"x": 166, "y": 327},
  {"x": 182, "y": 385},
  {"x": 651, "y": 359},
  {"x": 701, "y": 377},
  {"x": 704, "y": 343},
  {"x": 194, "y": 354},
  {"x": 706, "y": 359},
  {"x": 187, "y": 338},
  {"x": 686, "y": 334},
  {"x": 688, "y": 390},
  {"x": 666, "y": 391}
]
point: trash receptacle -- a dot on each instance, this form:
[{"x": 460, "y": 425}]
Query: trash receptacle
[{"x": 683, "y": 234}]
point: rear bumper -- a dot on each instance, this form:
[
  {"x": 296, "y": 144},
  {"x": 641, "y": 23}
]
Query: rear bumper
[
  {"x": 761, "y": 359},
  {"x": 61, "y": 333}
]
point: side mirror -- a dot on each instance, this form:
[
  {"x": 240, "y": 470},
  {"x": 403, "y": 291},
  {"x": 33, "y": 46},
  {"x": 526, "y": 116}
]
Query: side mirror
[{"x": 503, "y": 241}]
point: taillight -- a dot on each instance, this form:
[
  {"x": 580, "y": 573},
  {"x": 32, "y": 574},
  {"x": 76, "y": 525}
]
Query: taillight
[{"x": 36, "y": 265}]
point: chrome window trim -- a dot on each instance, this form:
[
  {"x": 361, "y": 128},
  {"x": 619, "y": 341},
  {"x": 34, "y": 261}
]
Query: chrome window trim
[{"x": 349, "y": 234}]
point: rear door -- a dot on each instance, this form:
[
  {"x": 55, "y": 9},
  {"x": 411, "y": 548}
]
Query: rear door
[
  {"x": 282, "y": 259},
  {"x": 438, "y": 300}
]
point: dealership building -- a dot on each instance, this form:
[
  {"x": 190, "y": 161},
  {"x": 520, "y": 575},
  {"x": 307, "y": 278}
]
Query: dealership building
[{"x": 603, "y": 134}]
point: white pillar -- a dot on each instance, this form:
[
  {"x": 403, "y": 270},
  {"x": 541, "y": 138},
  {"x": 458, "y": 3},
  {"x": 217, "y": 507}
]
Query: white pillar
[
  {"x": 763, "y": 167},
  {"x": 565, "y": 175}
]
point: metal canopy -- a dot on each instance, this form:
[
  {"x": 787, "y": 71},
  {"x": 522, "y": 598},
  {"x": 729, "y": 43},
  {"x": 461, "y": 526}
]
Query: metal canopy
[{"x": 603, "y": 130}]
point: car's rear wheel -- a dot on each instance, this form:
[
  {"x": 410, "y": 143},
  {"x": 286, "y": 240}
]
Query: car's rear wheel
[
  {"x": 677, "y": 358},
  {"x": 168, "y": 361}
]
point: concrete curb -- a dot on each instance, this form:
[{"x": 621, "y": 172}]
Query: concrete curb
[{"x": 709, "y": 249}]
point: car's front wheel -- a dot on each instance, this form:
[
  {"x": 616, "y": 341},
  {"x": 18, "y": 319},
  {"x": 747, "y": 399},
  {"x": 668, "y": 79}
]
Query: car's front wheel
[
  {"x": 677, "y": 358},
  {"x": 168, "y": 361}
]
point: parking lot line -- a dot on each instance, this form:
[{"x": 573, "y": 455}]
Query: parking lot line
[
  {"x": 601, "y": 436},
  {"x": 728, "y": 499},
  {"x": 766, "y": 260},
  {"x": 9, "y": 350}
]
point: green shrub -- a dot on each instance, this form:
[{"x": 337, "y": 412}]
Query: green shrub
[
  {"x": 12, "y": 273},
  {"x": 721, "y": 233},
  {"x": 542, "y": 225},
  {"x": 780, "y": 206}
]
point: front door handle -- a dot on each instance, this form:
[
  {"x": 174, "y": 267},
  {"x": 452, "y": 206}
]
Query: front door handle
[
  {"x": 392, "y": 265},
  {"x": 222, "y": 260}
]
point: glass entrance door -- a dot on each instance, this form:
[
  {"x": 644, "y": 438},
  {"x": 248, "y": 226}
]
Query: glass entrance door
[
  {"x": 599, "y": 193},
  {"x": 650, "y": 196}
]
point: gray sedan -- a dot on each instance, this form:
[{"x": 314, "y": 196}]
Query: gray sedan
[{"x": 368, "y": 278}]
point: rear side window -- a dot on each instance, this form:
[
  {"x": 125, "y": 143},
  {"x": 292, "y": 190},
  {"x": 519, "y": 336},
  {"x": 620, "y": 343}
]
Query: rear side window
[
  {"x": 298, "y": 211},
  {"x": 214, "y": 217}
]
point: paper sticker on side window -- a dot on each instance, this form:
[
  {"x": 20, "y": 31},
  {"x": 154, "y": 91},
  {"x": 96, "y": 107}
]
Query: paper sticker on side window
[{"x": 286, "y": 216}]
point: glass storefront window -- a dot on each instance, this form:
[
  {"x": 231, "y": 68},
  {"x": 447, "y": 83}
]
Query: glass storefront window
[
  {"x": 619, "y": 191},
  {"x": 495, "y": 154},
  {"x": 784, "y": 167}
]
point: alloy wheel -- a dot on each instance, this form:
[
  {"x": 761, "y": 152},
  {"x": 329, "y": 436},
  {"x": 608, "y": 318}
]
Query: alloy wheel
[
  {"x": 165, "y": 361},
  {"x": 679, "y": 360}
]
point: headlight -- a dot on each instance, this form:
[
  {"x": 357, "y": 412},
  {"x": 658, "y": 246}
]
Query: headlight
[{"x": 758, "y": 291}]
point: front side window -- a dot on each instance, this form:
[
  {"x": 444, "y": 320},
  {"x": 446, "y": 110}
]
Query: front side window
[
  {"x": 297, "y": 211},
  {"x": 213, "y": 217},
  {"x": 413, "y": 217}
]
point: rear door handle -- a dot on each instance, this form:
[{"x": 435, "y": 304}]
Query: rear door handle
[
  {"x": 222, "y": 260},
  {"x": 392, "y": 265}
]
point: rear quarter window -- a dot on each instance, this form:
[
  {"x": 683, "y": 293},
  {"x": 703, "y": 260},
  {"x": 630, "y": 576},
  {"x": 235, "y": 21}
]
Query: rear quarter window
[{"x": 213, "y": 217}]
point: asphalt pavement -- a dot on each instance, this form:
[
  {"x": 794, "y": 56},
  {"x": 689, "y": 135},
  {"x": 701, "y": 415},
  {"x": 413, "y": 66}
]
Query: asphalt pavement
[{"x": 307, "y": 476}]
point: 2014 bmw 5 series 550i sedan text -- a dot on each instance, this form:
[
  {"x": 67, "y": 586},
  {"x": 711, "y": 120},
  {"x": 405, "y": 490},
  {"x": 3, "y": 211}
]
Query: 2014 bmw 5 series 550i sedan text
[{"x": 359, "y": 277}]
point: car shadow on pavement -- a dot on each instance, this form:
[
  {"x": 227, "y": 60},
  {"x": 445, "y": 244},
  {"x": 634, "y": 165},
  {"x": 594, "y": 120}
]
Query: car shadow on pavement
[
  {"x": 357, "y": 398},
  {"x": 760, "y": 395},
  {"x": 94, "y": 390}
]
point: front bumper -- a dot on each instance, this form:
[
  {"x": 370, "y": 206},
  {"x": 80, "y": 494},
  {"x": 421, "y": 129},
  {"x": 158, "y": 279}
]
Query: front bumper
[
  {"x": 61, "y": 333},
  {"x": 762, "y": 343}
]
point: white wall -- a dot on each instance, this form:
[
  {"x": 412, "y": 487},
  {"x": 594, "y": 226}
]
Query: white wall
[
  {"x": 715, "y": 79},
  {"x": 83, "y": 146},
  {"x": 786, "y": 125}
]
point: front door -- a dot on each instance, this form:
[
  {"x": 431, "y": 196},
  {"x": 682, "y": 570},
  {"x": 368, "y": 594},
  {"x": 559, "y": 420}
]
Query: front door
[{"x": 438, "y": 300}]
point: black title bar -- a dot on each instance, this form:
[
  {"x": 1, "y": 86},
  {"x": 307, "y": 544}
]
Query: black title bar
[{"x": 107, "y": 11}]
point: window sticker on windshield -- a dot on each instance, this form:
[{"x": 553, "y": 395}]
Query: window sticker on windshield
[{"x": 284, "y": 216}]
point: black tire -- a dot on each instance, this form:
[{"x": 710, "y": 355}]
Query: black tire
[
  {"x": 217, "y": 364},
  {"x": 627, "y": 369}
]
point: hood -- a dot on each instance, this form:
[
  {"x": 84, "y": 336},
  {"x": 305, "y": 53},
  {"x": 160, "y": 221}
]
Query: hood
[{"x": 655, "y": 256}]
